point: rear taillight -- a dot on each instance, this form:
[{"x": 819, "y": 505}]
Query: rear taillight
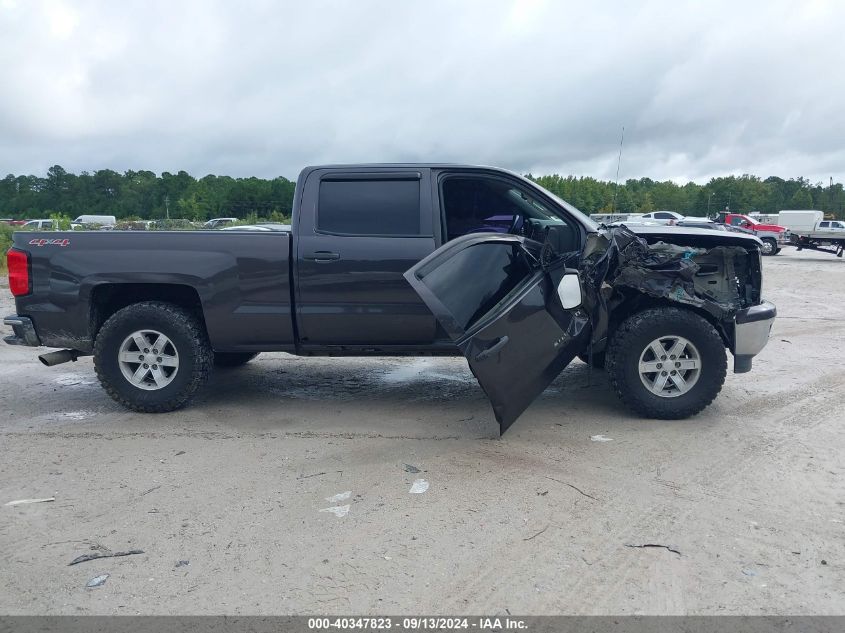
[{"x": 20, "y": 282}]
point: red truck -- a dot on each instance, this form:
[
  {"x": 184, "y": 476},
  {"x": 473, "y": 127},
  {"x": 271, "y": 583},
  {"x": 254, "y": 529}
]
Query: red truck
[{"x": 773, "y": 236}]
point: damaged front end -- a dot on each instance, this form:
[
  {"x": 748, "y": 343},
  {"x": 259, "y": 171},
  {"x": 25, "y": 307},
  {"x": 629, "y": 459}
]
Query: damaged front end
[{"x": 719, "y": 278}]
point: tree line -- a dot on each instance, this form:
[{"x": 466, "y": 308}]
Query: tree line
[
  {"x": 742, "y": 194},
  {"x": 145, "y": 195}
]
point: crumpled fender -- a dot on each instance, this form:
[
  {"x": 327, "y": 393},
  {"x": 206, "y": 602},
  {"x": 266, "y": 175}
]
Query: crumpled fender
[{"x": 617, "y": 260}]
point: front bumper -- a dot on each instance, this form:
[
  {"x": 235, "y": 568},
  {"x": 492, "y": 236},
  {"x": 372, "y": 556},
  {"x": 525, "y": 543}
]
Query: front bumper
[
  {"x": 752, "y": 327},
  {"x": 24, "y": 331}
]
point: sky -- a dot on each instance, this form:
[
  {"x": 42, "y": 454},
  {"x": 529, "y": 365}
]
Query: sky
[{"x": 263, "y": 88}]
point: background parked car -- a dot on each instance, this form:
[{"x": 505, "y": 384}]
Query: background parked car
[
  {"x": 216, "y": 223},
  {"x": 773, "y": 236},
  {"x": 662, "y": 217},
  {"x": 38, "y": 225}
]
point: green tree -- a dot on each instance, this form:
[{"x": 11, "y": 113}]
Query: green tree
[
  {"x": 801, "y": 199},
  {"x": 646, "y": 203}
]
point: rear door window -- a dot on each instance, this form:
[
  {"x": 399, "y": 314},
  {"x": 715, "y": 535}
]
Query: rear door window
[{"x": 369, "y": 207}]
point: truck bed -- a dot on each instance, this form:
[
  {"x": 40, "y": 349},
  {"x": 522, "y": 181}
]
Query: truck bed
[
  {"x": 240, "y": 280},
  {"x": 833, "y": 236}
]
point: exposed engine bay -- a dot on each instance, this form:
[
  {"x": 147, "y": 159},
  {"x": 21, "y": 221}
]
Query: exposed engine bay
[{"x": 622, "y": 265}]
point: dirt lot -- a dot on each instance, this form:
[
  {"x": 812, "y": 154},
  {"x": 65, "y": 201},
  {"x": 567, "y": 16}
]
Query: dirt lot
[{"x": 750, "y": 493}]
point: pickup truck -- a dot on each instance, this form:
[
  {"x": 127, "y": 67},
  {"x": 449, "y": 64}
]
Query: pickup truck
[
  {"x": 403, "y": 259},
  {"x": 773, "y": 236},
  {"x": 808, "y": 229},
  {"x": 828, "y": 236}
]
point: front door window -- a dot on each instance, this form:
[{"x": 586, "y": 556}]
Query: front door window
[{"x": 495, "y": 205}]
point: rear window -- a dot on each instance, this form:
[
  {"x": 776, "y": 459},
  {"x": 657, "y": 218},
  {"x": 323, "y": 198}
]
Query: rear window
[{"x": 369, "y": 207}]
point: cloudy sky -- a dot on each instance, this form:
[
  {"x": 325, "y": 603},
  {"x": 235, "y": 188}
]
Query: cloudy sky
[{"x": 263, "y": 88}]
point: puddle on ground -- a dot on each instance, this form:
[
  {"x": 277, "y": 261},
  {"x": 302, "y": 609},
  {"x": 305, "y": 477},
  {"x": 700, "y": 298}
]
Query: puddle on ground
[
  {"x": 424, "y": 369},
  {"x": 74, "y": 380}
]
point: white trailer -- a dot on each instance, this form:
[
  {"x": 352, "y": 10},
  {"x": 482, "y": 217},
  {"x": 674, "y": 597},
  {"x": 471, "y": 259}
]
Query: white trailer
[
  {"x": 765, "y": 218},
  {"x": 800, "y": 220}
]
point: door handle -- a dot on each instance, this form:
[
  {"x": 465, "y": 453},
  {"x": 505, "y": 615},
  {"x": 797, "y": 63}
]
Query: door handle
[
  {"x": 495, "y": 347},
  {"x": 322, "y": 256}
]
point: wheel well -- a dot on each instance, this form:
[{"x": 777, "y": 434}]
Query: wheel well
[
  {"x": 106, "y": 299},
  {"x": 639, "y": 302}
]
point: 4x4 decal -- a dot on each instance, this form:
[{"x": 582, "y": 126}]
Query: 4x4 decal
[{"x": 44, "y": 242}]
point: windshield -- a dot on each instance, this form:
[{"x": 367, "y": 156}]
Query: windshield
[
  {"x": 585, "y": 220},
  {"x": 530, "y": 206}
]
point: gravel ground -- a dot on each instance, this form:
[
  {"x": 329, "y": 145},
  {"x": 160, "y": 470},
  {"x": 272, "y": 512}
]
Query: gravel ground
[{"x": 229, "y": 499}]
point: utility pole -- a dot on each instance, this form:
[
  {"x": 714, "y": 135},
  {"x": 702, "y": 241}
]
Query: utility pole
[
  {"x": 618, "y": 163},
  {"x": 167, "y": 206}
]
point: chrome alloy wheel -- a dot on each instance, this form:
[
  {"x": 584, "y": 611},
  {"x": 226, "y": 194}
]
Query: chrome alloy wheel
[
  {"x": 148, "y": 360},
  {"x": 670, "y": 366}
]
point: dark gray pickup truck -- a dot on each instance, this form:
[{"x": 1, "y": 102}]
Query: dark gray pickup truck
[{"x": 405, "y": 259}]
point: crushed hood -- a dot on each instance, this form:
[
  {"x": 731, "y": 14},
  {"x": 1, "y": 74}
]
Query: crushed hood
[{"x": 690, "y": 236}]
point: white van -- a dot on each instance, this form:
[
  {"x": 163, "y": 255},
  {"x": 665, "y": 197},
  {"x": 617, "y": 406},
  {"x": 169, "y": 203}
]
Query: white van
[{"x": 102, "y": 220}]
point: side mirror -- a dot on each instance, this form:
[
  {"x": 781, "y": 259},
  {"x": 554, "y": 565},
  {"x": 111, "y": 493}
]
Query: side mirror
[{"x": 569, "y": 291}]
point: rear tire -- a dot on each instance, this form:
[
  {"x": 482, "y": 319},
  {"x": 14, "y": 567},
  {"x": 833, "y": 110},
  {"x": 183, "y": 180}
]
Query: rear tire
[
  {"x": 233, "y": 359},
  {"x": 630, "y": 354},
  {"x": 124, "y": 349}
]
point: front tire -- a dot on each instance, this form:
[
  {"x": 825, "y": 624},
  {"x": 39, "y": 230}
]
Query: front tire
[
  {"x": 666, "y": 363},
  {"x": 152, "y": 357}
]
